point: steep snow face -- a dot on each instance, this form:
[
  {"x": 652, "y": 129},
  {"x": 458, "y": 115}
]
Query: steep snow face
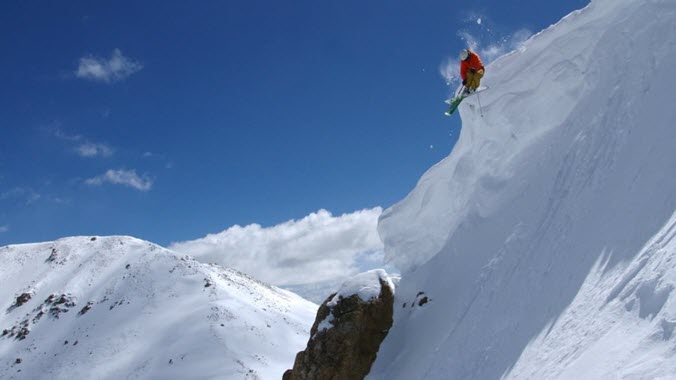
[
  {"x": 545, "y": 240},
  {"x": 123, "y": 308}
]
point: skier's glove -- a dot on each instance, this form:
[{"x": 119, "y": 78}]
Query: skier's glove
[
  {"x": 472, "y": 71},
  {"x": 464, "y": 83},
  {"x": 481, "y": 71}
]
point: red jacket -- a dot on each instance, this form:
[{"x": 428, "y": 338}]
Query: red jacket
[{"x": 474, "y": 62}]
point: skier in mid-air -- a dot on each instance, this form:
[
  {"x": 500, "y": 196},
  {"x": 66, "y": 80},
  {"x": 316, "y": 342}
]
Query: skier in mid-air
[{"x": 471, "y": 70}]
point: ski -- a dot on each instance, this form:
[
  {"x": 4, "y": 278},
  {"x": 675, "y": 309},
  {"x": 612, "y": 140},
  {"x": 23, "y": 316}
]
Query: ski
[{"x": 455, "y": 102}]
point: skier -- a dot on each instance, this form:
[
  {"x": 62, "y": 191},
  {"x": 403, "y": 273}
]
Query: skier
[{"x": 471, "y": 71}]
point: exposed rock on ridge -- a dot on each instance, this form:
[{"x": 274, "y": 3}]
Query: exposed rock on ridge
[{"x": 347, "y": 332}]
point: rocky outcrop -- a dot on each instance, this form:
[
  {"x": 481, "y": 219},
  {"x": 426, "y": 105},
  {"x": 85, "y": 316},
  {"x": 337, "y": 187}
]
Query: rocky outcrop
[
  {"x": 346, "y": 334},
  {"x": 22, "y": 299}
]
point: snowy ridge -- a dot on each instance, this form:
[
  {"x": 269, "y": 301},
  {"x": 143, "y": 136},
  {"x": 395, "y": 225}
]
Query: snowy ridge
[
  {"x": 133, "y": 309},
  {"x": 545, "y": 239}
]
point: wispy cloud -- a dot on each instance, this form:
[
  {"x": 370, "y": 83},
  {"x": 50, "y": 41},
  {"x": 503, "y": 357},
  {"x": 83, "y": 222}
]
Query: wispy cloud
[
  {"x": 122, "y": 177},
  {"x": 25, "y": 195},
  {"x": 4, "y": 228},
  {"x": 81, "y": 145},
  {"x": 94, "y": 150},
  {"x": 316, "y": 249},
  {"x": 113, "y": 69},
  {"x": 56, "y": 131}
]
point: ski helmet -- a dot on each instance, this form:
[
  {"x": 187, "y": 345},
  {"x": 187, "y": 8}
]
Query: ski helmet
[{"x": 464, "y": 54}]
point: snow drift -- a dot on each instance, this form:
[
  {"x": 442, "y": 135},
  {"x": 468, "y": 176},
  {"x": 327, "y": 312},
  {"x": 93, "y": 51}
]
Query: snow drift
[
  {"x": 122, "y": 308},
  {"x": 546, "y": 240}
]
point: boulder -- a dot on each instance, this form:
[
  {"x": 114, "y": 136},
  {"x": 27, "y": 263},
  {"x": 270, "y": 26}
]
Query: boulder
[{"x": 348, "y": 330}]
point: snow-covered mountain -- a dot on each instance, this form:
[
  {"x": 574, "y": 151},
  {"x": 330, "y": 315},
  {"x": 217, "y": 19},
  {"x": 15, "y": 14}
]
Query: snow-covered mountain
[
  {"x": 546, "y": 241},
  {"x": 122, "y": 308}
]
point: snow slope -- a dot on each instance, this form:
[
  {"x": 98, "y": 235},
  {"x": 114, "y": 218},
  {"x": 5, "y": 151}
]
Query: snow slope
[
  {"x": 546, "y": 240},
  {"x": 154, "y": 314}
]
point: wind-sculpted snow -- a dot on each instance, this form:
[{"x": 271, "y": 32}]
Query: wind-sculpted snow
[
  {"x": 122, "y": 308},
  {"x": 531, "y": 237}
]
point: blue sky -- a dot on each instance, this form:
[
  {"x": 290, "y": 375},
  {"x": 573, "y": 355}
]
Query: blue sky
[{"x": 167, "y": 120}]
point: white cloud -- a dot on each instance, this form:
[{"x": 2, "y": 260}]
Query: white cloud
[
  {"x": 4, "y": 228},
  {"x": 93, "y": 150},
  {"x": 85, "y": 148},
  {"x": 116, "y": 68},
  {"x": 487, "y": 50},
  {"x": 122, "y": 177},
  {"x": 318, "y": 249}
]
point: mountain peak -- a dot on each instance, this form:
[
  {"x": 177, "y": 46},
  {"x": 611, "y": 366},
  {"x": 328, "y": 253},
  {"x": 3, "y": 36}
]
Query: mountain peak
[{"x": 120, "y": 307}]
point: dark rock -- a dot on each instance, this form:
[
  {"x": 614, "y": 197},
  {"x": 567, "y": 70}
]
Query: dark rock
[
  {"x": 22, "y": 333},
  {"x": 18, "y": 361},
  {"x": 127, "y": 266},
  {"x": 52, "y": 256},
  {"x": 38, "y": 316},
  {"x": 347, "y": 349},
  {"x": 65, "y": 300},
  {"x": 55, "y": 311},
  {"x": 19, "y": 331},
  {"x": 93, "y": 239},
  {"x": 420, "y": 299},
  {"x": 86, "y": 308},
  {"x": 22, "y": 299},
  {"x": 59, "y": 304}
]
